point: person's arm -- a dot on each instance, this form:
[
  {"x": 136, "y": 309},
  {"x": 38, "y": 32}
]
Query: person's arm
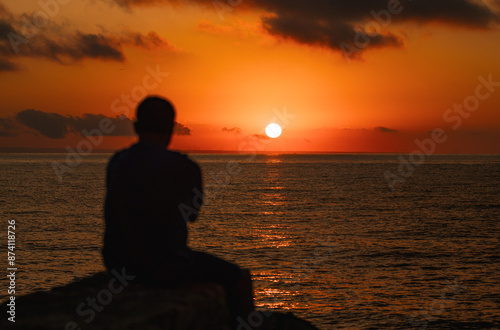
[
  {"x": 197, "y": 192},
  {"x": 192, "y": 200}
]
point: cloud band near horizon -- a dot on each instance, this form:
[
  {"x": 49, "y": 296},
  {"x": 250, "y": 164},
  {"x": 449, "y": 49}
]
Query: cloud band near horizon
[{"x": 57, "y": 126}]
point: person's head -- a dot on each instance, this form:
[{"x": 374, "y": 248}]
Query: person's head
[{"x": 155, "y": 120}]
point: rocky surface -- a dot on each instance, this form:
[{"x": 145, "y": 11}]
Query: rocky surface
[{"x": 111, "y": 301}]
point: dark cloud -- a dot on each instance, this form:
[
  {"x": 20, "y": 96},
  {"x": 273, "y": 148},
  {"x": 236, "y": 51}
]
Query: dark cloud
[
  {"x": 62, "y": 48},
  {"x": 383, "y": 129},
  {"x": 331, "y": 35},
  {"x": 463, "y": 12},
  {"x": 5, "y": 26},
  {"x": 363, "y": 24},
  {"x": 330, "y": 23},
  {"x": 235, "y": 130},
  {"x": 132, "y": 3},
  {"x": 123, "y": 126},
  {"x": 180, "y": 129},
  {"x": 56, "y": 126},
  {"x": 58, "y": 43},
  {"x": 459, "y": 12},
  {"x": 96, "y": 46},
  {"x": 5, "y": 49},
  {"x": 52, "y": 125}
]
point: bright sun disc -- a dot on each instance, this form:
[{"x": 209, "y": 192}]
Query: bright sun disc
[{"x": 273, "y": 130}]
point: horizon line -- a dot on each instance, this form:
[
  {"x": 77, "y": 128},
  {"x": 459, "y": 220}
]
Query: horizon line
[{"x": 20, "y": 150}]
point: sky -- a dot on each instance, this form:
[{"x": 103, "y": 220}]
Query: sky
[{"x": 337, "y": 76}]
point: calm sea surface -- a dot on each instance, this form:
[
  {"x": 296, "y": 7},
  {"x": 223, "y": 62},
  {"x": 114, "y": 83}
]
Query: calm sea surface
[{"x": 323, "y": 235}]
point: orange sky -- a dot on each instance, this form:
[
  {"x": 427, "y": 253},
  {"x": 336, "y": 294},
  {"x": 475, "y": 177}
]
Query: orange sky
[{"x": 249, "y": 66}]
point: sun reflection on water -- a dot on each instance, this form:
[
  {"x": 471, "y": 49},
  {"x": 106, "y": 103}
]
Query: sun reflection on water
[{"x": 273, "y": 181}]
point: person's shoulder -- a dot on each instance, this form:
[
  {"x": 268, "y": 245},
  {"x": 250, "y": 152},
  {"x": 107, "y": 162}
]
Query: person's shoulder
[{"x": 120, "y": 155}]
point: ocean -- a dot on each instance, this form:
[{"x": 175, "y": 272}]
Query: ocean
[{"x": 329, "y": 237}]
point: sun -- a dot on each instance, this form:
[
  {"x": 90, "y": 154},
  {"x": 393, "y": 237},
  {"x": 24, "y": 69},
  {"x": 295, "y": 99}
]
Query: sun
[{"x": 273, "y": 130}]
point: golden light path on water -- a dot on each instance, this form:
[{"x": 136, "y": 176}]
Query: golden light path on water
[{"x": 272, "y": 237}]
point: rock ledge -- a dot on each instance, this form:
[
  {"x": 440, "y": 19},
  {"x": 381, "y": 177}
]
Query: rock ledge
[{"x": 105, "y": 301}]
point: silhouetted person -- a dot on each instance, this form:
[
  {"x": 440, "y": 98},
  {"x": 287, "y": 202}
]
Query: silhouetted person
[{"x": 146, "y": 229}]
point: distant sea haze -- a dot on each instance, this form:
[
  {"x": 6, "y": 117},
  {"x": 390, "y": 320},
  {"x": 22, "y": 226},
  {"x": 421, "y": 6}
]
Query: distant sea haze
[{"x": 323, "y": 235}]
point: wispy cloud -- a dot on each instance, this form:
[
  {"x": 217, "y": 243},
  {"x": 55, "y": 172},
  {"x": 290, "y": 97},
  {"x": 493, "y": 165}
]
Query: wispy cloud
[
  {"x": 66, "y": 46},
  {"x": 260, "y": 136},
  {"x": 383, "y": 129},
  {"x": 235, "y": 130}
]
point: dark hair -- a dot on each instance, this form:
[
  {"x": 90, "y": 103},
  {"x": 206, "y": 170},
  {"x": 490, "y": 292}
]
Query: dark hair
[{"x": 156, "y": 115}]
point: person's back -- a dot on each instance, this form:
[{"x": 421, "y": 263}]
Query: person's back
[{"x": 145, "y": 228}]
